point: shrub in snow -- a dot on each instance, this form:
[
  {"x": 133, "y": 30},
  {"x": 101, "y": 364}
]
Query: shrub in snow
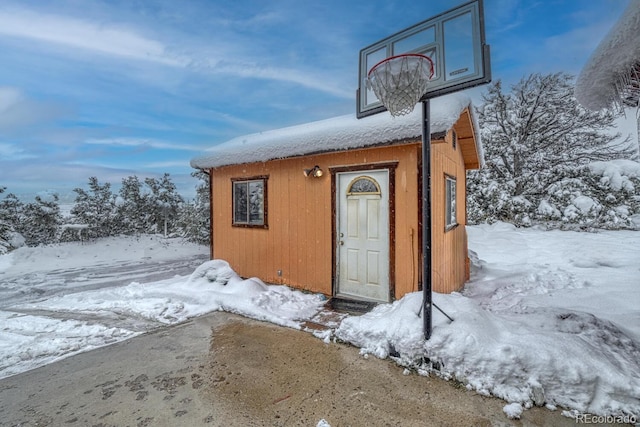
[
  {"x": 547, "y": 212},
  {"x": 589, "y": 198},
  {"x": 581, "y": 208},
  {"x": 16, "y": 241},
  {"x": 549, "y": 159}
]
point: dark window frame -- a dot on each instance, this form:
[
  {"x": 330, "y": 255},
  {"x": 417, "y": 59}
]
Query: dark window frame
[{"x": 246, "y": 222}]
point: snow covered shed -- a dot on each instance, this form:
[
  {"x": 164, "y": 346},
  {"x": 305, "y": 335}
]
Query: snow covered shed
[{"x": 334, "y": 206}]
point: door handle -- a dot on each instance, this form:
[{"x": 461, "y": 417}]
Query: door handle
[{"x": 341, "y": 243}]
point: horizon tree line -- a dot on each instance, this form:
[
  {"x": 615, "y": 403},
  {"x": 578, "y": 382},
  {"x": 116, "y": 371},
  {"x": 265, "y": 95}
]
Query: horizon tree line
[{"x": 149, "y": 206}]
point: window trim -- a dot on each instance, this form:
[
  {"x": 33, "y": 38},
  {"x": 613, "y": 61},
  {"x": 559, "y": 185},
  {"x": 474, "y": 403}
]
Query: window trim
[
  {"x": 448, "y": 206},
  {"x": 264, "y": 224}
]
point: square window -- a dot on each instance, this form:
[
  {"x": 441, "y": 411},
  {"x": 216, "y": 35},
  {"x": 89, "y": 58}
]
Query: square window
[
  {"x": 450, "y": 202},
  {"x": 249, "y": 207}
]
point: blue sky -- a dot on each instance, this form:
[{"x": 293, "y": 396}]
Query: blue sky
[{"x": 118, "y": 88}]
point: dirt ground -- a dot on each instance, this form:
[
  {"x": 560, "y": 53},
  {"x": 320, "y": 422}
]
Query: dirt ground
[{"x": 226, "y": 370}]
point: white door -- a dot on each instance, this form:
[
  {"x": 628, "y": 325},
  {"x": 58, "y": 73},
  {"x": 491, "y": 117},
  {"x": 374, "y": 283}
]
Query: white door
[{"x": 363, "y": 235}]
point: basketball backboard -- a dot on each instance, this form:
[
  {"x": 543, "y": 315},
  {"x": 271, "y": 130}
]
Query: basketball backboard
[{"x": 455, "y": 42}]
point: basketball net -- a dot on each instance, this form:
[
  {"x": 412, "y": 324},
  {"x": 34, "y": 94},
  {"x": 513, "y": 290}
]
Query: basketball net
[{"x": 400, "y": 81}]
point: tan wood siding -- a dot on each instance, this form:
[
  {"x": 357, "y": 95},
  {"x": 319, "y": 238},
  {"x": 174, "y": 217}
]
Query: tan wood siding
[
  {"x": 449, "y": 254},
  {"x": 299, "y": 239}
]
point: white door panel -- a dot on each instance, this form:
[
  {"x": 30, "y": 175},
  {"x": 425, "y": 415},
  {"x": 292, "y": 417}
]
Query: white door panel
[
  {"x": 373, "y": 219},
  {"x": 363, "y": 235}
]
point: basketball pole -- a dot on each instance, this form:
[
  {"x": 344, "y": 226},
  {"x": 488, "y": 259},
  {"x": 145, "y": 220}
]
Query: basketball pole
[{"x": 426, "y": 218}]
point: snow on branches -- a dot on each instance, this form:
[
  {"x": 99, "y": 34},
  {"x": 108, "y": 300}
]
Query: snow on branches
[{"x": 550, "y": 160}]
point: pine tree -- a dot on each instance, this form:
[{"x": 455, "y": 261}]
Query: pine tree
[
  {"x": 10, "y": 211},
  {"x": 133, "y": 214},
  {"x": 535, "y": 137},
  {"x": 96, "y": 208},
  {"x": 5, "y": 230},
  {"x": 163, "y": 203},
  {"x": 40, "y": 220},
  {"x": 194, "y": 217}
]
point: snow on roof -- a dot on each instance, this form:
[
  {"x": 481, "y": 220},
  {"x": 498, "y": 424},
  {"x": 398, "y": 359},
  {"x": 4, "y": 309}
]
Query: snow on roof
[
  {"x": 615, "y": 56},
  {"x": 339, "y": 133}
]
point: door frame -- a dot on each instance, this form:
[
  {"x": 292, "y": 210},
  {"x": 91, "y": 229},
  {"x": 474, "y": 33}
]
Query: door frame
[{"x": 390, "y": 167}]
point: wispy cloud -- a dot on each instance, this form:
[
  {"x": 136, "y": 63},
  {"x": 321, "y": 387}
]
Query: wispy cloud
[
  {"x": 173, "y": 164},
  {"x": 300, "y": 77},
  {"x": 247, "y": 125},
  {"x": 508, "y": 15},
  {"x": 83, "y": 34},
  {"x": 13, "y": 152},
  {"x": 126, "y": 43},
  {"x": 143, "y": 142},
  {"x": 268, "y": 18},
  {"x": 17, "y": 111}
]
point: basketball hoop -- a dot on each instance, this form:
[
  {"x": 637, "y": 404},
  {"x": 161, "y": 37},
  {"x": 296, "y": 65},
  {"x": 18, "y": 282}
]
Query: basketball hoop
[{"x": 400, "y": 81}]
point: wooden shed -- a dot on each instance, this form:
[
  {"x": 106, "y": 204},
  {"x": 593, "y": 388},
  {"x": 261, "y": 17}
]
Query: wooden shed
[{"x": 334, "y": 206}]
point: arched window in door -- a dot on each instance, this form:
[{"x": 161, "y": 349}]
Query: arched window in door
[{"x": 363, "y": 185}]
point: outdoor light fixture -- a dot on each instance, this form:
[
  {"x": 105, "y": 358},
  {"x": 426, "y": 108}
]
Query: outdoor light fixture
[{"x": 314, "y": 172}]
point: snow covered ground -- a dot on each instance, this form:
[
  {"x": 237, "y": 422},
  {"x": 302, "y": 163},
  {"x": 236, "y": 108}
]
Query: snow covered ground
[{"x": 549, "y": 317}]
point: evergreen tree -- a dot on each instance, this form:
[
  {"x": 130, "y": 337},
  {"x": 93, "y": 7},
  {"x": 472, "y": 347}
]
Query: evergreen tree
[
  {"x": 10, "y": 211},
  {"x": 535, "y": 137},
  {"x": 40, "y": 220},
  {"x": 132, "y": 210},
  {"x": 97, "y": 208},
  {"x": 194, "y": 217},
  {"x": 5, "y": 230},
  {"x": 163, "y": 203}
]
